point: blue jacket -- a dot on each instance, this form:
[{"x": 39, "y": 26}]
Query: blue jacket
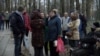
[
  {"x": 17, "y": 24},
  {"x": 54, "y": 28}
]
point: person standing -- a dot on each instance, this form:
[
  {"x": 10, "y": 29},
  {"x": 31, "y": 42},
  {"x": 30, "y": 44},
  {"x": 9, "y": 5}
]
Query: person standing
[
  {"x": 7, "y": 20},
  {"x": 83, "y": 25},
  {"x": 27, "y": 29},
  {"x": 2, "y": 16},
  {"x": 74, "y": 29},
  {"x": 18, "y": 29},
  {"x": 54, "y": 32},
  {"x": 37, "y": 25},
  {"x": 65, "y": 21}
]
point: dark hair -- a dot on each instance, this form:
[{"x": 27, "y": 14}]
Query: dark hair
[
  {"x": 96, "y": 24},
  {"x": 20, "y": 8},
  {"x": 36, "y": 15}
]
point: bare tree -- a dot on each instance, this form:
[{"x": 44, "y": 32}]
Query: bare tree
[
  {"x": 84, "y": 7},
  {"x": 77, "y": 5},
  {"x": 88, "y": 9},
  {"x": 71, "y": 5},
  {"x": 62, "y": 10}
]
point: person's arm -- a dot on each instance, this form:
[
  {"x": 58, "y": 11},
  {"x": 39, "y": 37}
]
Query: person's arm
[{"x": 58, "y": 27}]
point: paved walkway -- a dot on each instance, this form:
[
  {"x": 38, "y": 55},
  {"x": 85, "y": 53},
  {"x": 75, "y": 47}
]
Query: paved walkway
[{"x": 7, "y": 44}]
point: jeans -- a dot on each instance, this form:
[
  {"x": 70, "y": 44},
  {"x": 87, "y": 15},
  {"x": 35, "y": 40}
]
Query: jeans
[
  {"x": 2, "y": 25},
  {"x": 18, "y": 41}
]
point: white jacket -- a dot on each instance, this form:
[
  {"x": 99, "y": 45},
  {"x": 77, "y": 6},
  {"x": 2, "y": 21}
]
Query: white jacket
[{"x": 65, "y": 21}]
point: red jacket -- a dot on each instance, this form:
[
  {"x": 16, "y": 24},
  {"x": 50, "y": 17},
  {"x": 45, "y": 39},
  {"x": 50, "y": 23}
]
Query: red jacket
[{"x": 27, "y": 21}]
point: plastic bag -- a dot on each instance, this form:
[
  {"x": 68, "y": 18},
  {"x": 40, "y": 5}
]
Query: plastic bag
[
  {"x": 60, "y": 46},
  {"x": 26, "y": 40}
]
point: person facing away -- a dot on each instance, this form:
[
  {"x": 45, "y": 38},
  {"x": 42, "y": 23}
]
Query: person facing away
[
  {"x": 18, "y": 29},
  {"x": 37, "y": 25},
  {"x": 54, "y": 32},
  {"x": 83, "y": 26},
  {"x": 65, "y": 20},
  {"x": 74, "y": 28}
]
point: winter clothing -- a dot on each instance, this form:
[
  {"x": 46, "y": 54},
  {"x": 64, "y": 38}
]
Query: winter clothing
[
  {"x": 64, "y": 22},
  {"x": 74, "y": 27},
  {"x": 18, "y": 29},
  {"x": 27, "y": 21},
  {"x": 17, "y": 23},
  {"x": 54, "y": 28},
  {"x": 37, "y": 26}
]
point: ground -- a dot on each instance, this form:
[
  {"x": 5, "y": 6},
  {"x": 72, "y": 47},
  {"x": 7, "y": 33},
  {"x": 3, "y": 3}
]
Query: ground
[{"x": 7, "y": 44}]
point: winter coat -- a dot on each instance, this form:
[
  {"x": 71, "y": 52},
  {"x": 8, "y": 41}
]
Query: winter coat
[
  {"x": 17, "y": 23},
  {"x": 54, "y": 28},
  {"x": 37, "y": 26},
  {"x": 74, "y": 27},
  {"x": 65, "y": 21},
  {"x": 46, "y": 30},
  {"x": 97, "y": 33},
  {"x": 27, "y": 21}
]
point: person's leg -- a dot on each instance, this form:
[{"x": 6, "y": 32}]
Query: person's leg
[
  {"x": 76, "y": 43},
  {"x": 36, "y": 51},
  {"x": 8, "y": 24},
  {"x": 41, "y": 51},
  {"x": 21, "y": 39},
  {"x": 0, "y": 25},
  {"x": 53, "y": 49},
  {"x": 17, "y": 45},
  {"x": 46, "y": 48}
]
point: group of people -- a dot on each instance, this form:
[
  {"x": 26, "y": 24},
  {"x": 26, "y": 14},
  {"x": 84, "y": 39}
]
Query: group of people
[
  {"x": 46, "y": 29},
  {"x": 4, "y": 20}
]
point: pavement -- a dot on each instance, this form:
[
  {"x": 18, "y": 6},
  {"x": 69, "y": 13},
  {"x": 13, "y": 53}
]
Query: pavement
[{"x": 7, "y": 44}]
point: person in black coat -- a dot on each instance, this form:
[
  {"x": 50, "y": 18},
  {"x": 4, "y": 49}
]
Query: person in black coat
[{"x": 18, "y": 28}]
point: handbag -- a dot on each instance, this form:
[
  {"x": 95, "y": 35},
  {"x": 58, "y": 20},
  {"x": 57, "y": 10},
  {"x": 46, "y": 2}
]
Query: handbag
[{"x": 69, "y": 33}]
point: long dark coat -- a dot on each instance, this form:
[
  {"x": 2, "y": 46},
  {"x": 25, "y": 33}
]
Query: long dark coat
[{"x": 37, "y": 32}]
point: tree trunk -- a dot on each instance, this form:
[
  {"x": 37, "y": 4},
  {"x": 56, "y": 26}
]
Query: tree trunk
[
  {"x": 71, "y": 5},
  {"x": 1, "y": 5},
  {"x": 77, "y": 5},
  {"x": 34, "y": 5},
  {"x": 48, "y": 5},
  {"x": 62, "y": 10},
  {"x": 84, "y": 7},
  {"x": 7, "y": 5},
  {"x": 88, "y": 9}
]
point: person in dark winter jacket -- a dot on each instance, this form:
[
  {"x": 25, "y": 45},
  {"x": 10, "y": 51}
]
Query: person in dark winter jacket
[
  {"x": 54, "y": 32},
  {"x": 83, "y": 25},
  {"x": 18, "y": 28},
  {"x": 37, "y": 26}
]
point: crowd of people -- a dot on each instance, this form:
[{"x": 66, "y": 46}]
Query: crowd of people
[{"x": 46, "y": 29}]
